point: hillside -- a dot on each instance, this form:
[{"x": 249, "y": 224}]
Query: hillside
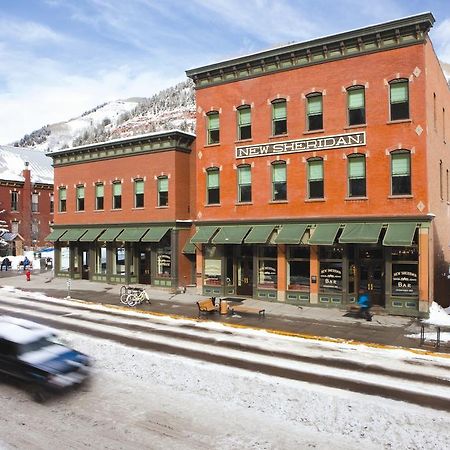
[{"x": 171, "y": 108}]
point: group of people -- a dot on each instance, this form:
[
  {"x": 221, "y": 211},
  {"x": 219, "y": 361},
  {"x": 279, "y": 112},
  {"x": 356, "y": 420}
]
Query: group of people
[{"x": 6, "y": 264}]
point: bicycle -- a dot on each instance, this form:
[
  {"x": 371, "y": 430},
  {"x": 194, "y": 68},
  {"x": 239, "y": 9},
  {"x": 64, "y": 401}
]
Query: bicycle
[{"x": 132, "y": 296}]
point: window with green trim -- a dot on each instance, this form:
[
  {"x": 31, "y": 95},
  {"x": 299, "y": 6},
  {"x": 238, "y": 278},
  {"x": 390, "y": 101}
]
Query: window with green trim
[
  {"x": 213, "y": 126},
  {"x": 244, "y": 116},
  {"x": 163, "y": 191},
  {"x": 314, "y": 111},
  {"x": 401, "y": 172},
  {"x": 62, "y": 196},
  {"x": 315, "y": 178},
  {"x": 279, "y": 183},
  {"x": 80, "y": 198},
  {"x": 117, "y": 195},
  {"x": 356, "y": 176},
  {"x": 399, "y": 99},
  {"x": 99, "y": 196},
  {"x": 139, "y": 193},
  {"x": 279, "y": 117},
  {"x": 212, "y": 186},
  {"x": 244, "y": 184},
  {"x": 356, "y": 105}
]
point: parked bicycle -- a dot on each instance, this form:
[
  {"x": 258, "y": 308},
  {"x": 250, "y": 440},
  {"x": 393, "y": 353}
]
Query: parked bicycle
[{"x": 132, "y": 296}]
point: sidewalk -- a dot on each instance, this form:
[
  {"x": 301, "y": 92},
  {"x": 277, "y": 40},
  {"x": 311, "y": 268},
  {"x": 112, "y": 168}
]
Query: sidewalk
[{"x": 285, "y": 318}]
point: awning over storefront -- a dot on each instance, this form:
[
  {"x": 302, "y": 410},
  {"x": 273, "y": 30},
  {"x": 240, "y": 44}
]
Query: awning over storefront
[
  {"x": 399, "y": 234},
  {"x": 155, "y": 234},
  {"x": 259, "y": 234},
  {"x": 361, "y": 233},
  {"x": 91, "y": 234},
  {"x": 291, "y": 233},
  {"x": 324, "y": 234},
  {"x": 231, "y": 234},
  {"x": 189, "y": 248},
  {"x": 132, "y": 234},
  {"x": 203, "y": 234},
  {"x": 110, "y": 234},
  {"x": 73, "y": 235},
  {"x": 55, "y": 234}
]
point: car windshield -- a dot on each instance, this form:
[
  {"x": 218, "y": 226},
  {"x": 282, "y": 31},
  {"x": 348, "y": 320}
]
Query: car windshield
[{"x": 35, "y": 345}]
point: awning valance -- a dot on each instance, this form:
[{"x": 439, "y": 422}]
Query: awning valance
[
  {"x": 324, "y": 234},
  {"x": 291, "y": 233},
  {"x": 56, "y": 234},
  {"x": 361, "y": 233},
  {"x": 203, "y": 234},
  {"x": 91, "y": 234},
  {"x": 399, "y": 234},
  {"x": 73, "y": 234},
  {"x": 132, "y": 234},
  {"x": 231, "y": 234},
  {"x": 155, "y": 234},
  {"x": 110, "y": 234},
  {"x": 189, "y": 248},
  {"x": 259, "y": 234}
]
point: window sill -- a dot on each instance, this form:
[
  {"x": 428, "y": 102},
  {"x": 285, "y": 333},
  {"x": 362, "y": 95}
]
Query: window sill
[
  {"x": 356, "y": 198},
  {"x": 276, "y": 202},
  {"x": 138, "y": 208},
  {"x": 78, "y": 212},
  {"x": 115, "y": 209},
  {"x": 212, "y": 205},
  {"x": 352, "y": 127},
  {"x": 321, "y": 130},
  {"x": 240, "y": 141},
  {"x": 312, "y": 200},
  {"x": 400, "y": 196},
  {"x": 278, "y": 136},
  {"x": 99, "y": 210},
  {"x": 212, "y": 145},
  {"x": 243, "y": 203},
  {"x": 160, "y": 207},
  {"x": 393, "y": 122}
]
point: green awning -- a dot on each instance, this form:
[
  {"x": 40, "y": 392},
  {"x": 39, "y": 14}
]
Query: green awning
[
  {"x": 56, "y": 234},
  {"x": 110, "y": 234},
  {"x": 401, "y": 234},
  {"x": 155, "y": 234},
  {"x": 259, "y": 234},
  {"x": 189, "y": 248},
  {"x": 74, "y": 234},
  {"x": 92, "y": 234},
  {"x": 324, "y": 234},
  {"x": 291, "y": 233},
  {"x": 132, "y": 234},
  {"x": 203, "y": 234},
  {"x": 361, "y": 233},
  {"x": 231, "y": 234}
]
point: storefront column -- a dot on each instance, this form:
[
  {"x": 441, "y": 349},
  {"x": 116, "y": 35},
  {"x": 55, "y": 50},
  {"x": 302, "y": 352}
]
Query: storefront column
[
  {"x": 424, "y": 262},
  {"x": 199, "y": 268},
  {"x": 314, "y": 275},
  {"x": 281, "y": 271}
]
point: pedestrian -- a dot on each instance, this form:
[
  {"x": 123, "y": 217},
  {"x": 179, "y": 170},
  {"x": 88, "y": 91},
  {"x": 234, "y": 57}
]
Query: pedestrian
[
  {"x": 28, "y": 274},
  {"x": 5, "y": 263},
  {"x": 364, "y": 305},
  {"x": 26, "y": 263}
]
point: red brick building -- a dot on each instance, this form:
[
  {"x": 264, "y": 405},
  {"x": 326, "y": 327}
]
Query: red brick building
[
  {"x": 26, "y": 197},
  {"x": 322, "y": 168},
  {"x": 123, "y": 210}
]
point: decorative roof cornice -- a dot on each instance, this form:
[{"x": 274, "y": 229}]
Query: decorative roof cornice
[
  {"x": 136, "y": 145},
  {"x": 385, "y": 36}
]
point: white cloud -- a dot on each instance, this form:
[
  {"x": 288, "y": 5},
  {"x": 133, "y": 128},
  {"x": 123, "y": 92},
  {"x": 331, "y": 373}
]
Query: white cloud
[{"x": 28, "y": 32}]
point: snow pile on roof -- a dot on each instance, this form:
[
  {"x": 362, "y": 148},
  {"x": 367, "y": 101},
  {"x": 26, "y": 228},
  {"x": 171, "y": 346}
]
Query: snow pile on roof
[
  {"x": 12, "y": 163},
  {"x": 438, "y": 316}
]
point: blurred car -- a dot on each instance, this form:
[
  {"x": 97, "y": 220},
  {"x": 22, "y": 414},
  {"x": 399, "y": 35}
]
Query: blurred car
[{"x": 30, "y": 353}]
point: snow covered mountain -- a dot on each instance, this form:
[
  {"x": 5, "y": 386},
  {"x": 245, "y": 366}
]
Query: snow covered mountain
[{"x": 171, "y": 108}]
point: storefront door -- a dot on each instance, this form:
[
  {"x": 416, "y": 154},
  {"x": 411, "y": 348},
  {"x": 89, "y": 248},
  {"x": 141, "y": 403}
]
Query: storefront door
[
  {"x": 145, "y": 267},
  {"x": 372, "y": 280},
  {"x": 85, "y": 265},
  {"x": 245, "y": 275}
]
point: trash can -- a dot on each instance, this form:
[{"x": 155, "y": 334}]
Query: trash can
[{"x": 223, "y": 307}]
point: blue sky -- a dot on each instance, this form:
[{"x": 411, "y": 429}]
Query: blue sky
[{"x": 59, "y": 58}]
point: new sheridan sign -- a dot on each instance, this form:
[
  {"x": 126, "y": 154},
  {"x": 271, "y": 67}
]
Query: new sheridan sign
[{"x": 302, "y": 145}]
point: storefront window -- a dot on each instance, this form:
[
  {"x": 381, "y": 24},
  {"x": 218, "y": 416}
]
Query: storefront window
[
  {"x": 405, "y": 280},
  {"x": 298, "y": 268},
  {"x": 100, "y": 260},
  {"x": 267, "y": 268},
  {"x": 76, "y": 262},
  {"x": 119, "y": 261},
  {"x": 213, "y": 265},
  {"x": 331, "y": 268},
  {"x": 163, "y": 262},
  {"x": 229, "y": 265},
  {"x": 64, "y": 261}
]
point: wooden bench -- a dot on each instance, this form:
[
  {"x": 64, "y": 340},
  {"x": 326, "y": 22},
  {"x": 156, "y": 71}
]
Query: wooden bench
[
  {"x": 206, "y": 306},
  {"x": 247, "y": 309}
]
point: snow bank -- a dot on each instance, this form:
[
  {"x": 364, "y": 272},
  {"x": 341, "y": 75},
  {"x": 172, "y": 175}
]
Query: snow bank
[{"x": 438, "y": 316}]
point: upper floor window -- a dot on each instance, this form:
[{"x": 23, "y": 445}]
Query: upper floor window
[
  {"x": 138, "y": 193},
  {"x": 279, "y": 117},
  {"x": 314, "y": 111},
  {"x": 163, "y": 191},
  {"x": 117, "y": 195},
  {"x": 213, "y": 186},
  {"x": 14, "y": 201},
  {"x": 62, "y": 194},
  {"x": 315, "y": 178},
  {"x": 213, "y": 127},
  {"x": 401, "y": 172},
  {"x": 99, "y": 196},
  {"x": 244, "y": 114},
  {"x": 356, "y": 176},
  {"x": 15, "y": 226},
  {"x": 399, "y": 99},
  {"x": 80, "y": 198},
  {"x": 356, "y": 105},
  {"x": 244, "y": 184},
  {"x": 34, "y": 202},
  {"x": 52, "y": 203},
  {"x": 279, "y": 185}
]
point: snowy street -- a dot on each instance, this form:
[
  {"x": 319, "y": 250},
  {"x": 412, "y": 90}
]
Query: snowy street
[{"x": 150, "y": 399}]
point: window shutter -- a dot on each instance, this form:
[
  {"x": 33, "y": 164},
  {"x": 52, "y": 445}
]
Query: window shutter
[
  {"x": 62, "y": 194},
  {"x": 80, "y": 192},
  {"x": 163, "y": 184},
  {"x": 357, "y": 167},
  {"x": 245, "y": 175},
  {"x": 117, "y": 189},
  {"x": 245, "y": 117},
  {"x": 213, "y": 179},
  {"x": 279, "y": 172},
  {"x": 356, "y": 98},
  {"x": 99, "y": 190},
  {"x": 315, "y": 105},
  {"x": 400, "y": 164},
  {"x": 399, "y": 92},
  {"x": 315, "y": 170},
  {"x": 213, "y": 121},
  {"x": 139, "y": 187},
  {"x": 279, "y": 110}
]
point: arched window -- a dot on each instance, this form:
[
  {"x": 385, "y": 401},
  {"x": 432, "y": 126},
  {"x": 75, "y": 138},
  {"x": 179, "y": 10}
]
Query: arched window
[
  {"x": 212, "y": 186},
  {"x": 244, "y": 183},
  {"x": 279, "y": 117},
  {"x": 401, "y": 172},
  {"x": 399, "y": 99},
  {"x": 244, "y": 120},
  {"x": 356, "y": 175},
  {"x": 356, "y": 103},
  {"x": 279, "y": 181},
  {"x": 315, "y": 178},
  {"x": 314, "y": 111}
]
